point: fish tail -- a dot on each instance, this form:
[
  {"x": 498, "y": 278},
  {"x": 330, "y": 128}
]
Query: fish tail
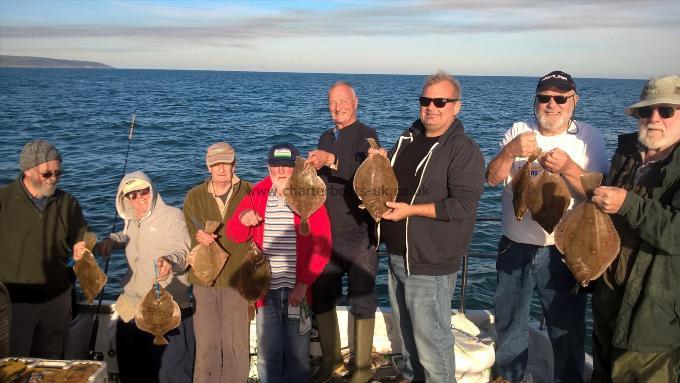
[
  {"x": 304, "y": 227},
  {"x": 160, "y": 341}
]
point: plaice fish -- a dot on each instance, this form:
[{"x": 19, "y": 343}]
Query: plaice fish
[
  {"x": 207, "y": 261},
  {"x": 255, "y": 275},
  {"x": 90, "y": 276},
  {"x": 548, "y": 199},
  {"x": 521, "y": 187},
  {"x": 305, "y": 192},
  {"x": 587, "y": 236},
  {"x": 375, "y": 183},
  {"x": 158, "y": 313}
]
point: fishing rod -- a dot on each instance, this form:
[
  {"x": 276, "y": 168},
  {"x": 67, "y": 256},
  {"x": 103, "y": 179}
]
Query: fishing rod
[{"x": 92, "y": 355}]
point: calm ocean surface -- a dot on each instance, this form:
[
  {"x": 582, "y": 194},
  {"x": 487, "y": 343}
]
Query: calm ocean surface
[{"x": 86, "y": 114}]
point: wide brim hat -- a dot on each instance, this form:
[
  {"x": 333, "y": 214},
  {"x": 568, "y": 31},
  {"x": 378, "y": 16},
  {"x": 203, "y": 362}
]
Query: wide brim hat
[{"x": 658, "y": 91}]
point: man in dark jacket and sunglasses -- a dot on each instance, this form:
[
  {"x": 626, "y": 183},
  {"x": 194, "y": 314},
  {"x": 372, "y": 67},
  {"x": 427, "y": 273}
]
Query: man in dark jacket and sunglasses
[
  {"x": 636, "y": 303},
  {"x": 527, "y": 256},
  {"x": 40, "y": 227}
]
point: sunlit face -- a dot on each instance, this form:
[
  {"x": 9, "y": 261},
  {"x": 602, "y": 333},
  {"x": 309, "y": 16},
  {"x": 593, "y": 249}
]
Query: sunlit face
[
  {"x": 221, "y": 173},
  {"x": 437, "y": 120},
  {"x": 554, "y": 118},
  {"x": 279, "y": 176},
  {"x": 37, "y": 184},
  {"x": 342, "y": 103},
  {"x": 140, "y": 200},
  {"x": 657, "y": 133}
]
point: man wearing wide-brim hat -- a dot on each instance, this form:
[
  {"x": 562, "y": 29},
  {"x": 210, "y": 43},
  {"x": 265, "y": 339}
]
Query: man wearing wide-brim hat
[{"x": 636, "y": 303}]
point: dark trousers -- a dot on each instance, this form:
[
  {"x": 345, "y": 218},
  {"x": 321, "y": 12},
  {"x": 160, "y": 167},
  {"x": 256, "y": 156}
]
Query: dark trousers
[
  {"x": 139, "y": 360},
  {"x": 354, "y": 255}
]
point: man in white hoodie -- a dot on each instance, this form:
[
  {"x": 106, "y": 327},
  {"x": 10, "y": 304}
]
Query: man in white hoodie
[{"x": 154, "y": 237}]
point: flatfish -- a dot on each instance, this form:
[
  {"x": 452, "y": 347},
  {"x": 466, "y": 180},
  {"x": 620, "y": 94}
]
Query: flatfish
[
  {"x": 158, "y": 313},
  {"x": 548, "y": 199},
  {"x": 305, "y": 192},
  {"x": 90, "y": 276},
  {"x": 207, "y": 261},
  {"x": 375, "y": 183},
  {"x": 587, "y": 236},
  {"x": 255, "y": 275},
  {"x": 521, "y": 187}
]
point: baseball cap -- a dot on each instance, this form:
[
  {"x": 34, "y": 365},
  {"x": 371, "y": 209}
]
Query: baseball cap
[
  {"x": 556, "y": 79},
  {"x": 658, "y": 90},
  {"x": 220, "y": 152},
  {"x": 282, "y": 154}
]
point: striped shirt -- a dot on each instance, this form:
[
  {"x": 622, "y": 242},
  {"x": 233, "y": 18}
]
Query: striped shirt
[{"x": 279, "y": 242}]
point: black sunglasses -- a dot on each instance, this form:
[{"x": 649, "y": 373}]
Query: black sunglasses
[
  {"x": 137, "y": 193},
  {"x": 544, "y": 98},
  {"x": 55, "y": 173},
  {"x": 439, "y": 102},
  {"x": 664, "y": 111}
]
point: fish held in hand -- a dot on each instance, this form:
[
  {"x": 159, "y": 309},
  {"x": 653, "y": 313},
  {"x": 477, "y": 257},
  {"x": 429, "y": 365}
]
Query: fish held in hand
[
  {"x": 375, "y": 183},
  {"x": 207, "y": 261},
  {"x": 521, "y": 187},
  {"x": 90, "y": 276},
  {"x": 255, "y": 275},
  {"x": 587, "y": 236},
  {"x": 304, "y": 192},
  {"x": 157, "y": 314},
  {"x": 548, "y": 199}
]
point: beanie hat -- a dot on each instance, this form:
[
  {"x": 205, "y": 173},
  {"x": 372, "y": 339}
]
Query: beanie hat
[{"x": 37, "y": 152}]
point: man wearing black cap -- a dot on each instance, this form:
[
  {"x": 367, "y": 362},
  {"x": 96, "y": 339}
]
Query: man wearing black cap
[
  {"x": 527, "y": 256},
  {"x": 39, "y": 225},
  {"x": 636, "y": 303}
]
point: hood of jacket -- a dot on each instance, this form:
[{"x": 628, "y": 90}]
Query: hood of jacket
[{"x": 123, "y": 206}]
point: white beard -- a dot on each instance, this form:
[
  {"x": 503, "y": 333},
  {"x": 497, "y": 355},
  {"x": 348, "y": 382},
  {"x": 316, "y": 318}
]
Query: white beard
[
  {"x": 651, "y": 142},
  {"x": 546, "y": 123}
]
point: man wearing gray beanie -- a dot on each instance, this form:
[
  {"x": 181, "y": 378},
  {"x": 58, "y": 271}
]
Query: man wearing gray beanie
[{"x": 40, "y": 226}]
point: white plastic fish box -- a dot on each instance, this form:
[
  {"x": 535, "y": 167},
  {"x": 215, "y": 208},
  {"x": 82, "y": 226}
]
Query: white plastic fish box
[{"x": 52, "y": 371}]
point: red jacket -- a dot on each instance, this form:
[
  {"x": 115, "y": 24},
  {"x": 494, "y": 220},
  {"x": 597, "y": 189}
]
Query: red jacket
[{"x": 313, "y": 250}]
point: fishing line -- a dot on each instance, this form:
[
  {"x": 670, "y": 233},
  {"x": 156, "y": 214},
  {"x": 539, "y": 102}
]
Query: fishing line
[{"x": 92, "y": 355}]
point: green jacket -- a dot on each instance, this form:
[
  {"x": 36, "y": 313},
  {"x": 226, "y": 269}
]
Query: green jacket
[
  {"x": 200, "y": 206},
  {"x": 35, "y": 246},
  {"x": 649, "y": 316}
]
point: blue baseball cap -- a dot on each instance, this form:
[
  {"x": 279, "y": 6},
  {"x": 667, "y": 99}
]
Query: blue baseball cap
[{"x": 282, "y": 154}]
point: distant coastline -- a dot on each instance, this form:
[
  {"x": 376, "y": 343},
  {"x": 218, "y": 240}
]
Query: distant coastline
[{"x": 44, "y": 62}]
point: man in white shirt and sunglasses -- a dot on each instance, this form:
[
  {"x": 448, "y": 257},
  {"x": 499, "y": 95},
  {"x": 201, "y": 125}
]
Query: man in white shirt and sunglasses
[{"x": 527, "y": 256}]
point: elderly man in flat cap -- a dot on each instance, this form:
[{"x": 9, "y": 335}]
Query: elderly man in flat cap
[
  {"x": 636, "y": 303},
  {"x": 40, "y": 227}
]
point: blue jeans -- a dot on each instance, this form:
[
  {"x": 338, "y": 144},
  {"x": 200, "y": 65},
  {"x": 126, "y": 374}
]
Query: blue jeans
[
  {"x": 422, "y": 310},
  {"x": 521, "y": 267},
  {"x": 282, "y": 353}
]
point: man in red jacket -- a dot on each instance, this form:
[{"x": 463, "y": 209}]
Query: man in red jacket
[{"x": 296, "y": 261}]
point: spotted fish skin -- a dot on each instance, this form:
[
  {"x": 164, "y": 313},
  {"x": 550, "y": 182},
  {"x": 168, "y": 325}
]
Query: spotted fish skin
[
  {"x": 90, "y": 276},
  {"x": 305, "y": 192},
  {"x": 587, "y": 236},
  {"x": 158, "y": 315},
  {"x": 375, "y": 183},
  {"x": 207, "y": 261},
  {"x": 521, "y": 187}
]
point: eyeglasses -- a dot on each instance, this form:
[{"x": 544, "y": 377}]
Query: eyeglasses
[
  {"x": 137, "y": 193},
  {"x": 55, "y": 173},
  {"x": 544, "y": 98},
  {"x": 664, "y": 111},
  {"x": 439, "y": 102}
]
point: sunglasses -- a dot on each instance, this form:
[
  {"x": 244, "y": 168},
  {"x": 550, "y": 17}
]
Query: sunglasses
[
  {"x": 439, "y": 102},
  {"x": 544, "y": 99},
  {"x": 137, "y": 193},
  {"x": 56, "y": 174},
  {"x": 664, "y": 111}
]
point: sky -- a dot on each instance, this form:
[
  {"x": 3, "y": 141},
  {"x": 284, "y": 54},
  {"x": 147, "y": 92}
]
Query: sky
[{"x": 586, "y": 38}]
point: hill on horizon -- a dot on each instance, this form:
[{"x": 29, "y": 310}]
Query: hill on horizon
[{"x": 7, "y": 61}]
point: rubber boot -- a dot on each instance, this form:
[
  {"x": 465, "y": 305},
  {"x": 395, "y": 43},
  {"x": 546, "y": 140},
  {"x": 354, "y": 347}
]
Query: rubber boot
[
  {"x": 363, "y": 348},
  {"x": 329, "y": 338}
]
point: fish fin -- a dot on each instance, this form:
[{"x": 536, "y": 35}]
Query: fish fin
[
  {"x": 160, "y": 340},
  {"x": 372, "y": 142},
  {"x": 90, "y": 240},
  {"x": 304, "y": 227}
]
